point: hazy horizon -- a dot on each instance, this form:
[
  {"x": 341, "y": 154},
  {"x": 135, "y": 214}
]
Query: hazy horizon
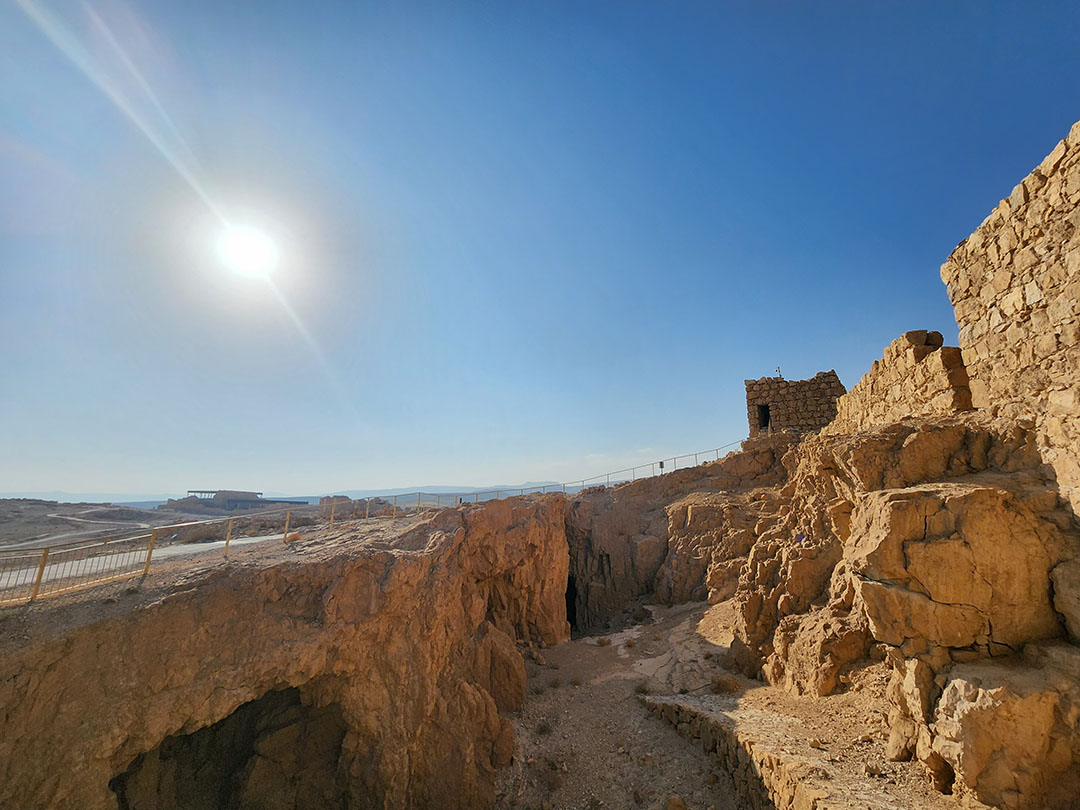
[{"x": 512, "y": 241}]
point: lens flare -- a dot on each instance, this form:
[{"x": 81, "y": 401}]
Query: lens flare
[{"x": 247, "y": 252}]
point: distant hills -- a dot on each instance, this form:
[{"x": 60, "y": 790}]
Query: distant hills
[{"x": 150, "y": 500}]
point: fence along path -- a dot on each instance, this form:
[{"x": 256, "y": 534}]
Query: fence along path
[{"x": 27, "y": 574}]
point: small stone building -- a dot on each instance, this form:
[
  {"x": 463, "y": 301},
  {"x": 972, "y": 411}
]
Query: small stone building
[{"x": 774, "y": 404}]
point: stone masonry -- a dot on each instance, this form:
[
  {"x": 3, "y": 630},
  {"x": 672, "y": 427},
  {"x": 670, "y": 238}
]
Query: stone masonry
[
  {"x": 1015, "y": 287},
  {"x": 916, "y": 376},
  {"x": 774, "y": 404}
]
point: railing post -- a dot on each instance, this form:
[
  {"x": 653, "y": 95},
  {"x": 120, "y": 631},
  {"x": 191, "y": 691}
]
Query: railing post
[
  {"x": 418, "y": 503},
  {"x": 367, "y": 508},
  {"x": 393, "y": 512},
  {"x": 149, "y": 552},
  {"x": 38, "y": 576},
  {"x": 228, "y": 538},
  {"x": 288, "y": 517},
  {"x": 496, "y": 494},
  {"x": 332, "y": 505},
  {"x": 607, "y": 481},
  {"x": 695, "y": 459},
  {"x": 564, "y": 489},
  {"x": 477, "y": 498}
]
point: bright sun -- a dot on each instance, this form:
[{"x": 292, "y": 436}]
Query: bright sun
[{"x": 247, "y": 252}]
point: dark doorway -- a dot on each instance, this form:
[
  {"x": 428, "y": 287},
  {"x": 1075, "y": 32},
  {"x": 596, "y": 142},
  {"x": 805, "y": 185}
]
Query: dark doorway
[
  {"x": 273, "y": 752},
  {"x": 571, "y": 601},
  {"x": 763, "y": 417}
]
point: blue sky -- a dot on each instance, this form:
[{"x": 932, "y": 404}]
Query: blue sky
[{"x": 525, "y": 241}]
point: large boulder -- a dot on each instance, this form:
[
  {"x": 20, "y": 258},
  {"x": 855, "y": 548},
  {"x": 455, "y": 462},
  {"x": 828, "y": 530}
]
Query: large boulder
[
  {"x": 1008, "y": 730},
  {"x": 955, "y": 565}
]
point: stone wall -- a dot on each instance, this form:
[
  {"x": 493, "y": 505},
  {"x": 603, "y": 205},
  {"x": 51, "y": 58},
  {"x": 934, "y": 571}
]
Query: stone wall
[
  {"x": 916, "y": 376},
  {"x": 799, "y": 405},
  {"x": 1015, "y": 287}
]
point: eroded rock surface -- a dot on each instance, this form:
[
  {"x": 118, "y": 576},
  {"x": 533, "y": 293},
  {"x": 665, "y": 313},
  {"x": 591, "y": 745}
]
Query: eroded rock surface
[
  {"x": 398, "y": 658},
  {"x": 622, "y": 538},
  {"x": 937, "y": 543}
]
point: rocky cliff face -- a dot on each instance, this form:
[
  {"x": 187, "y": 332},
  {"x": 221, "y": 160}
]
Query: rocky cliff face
[
  {"x": 664, "y": 535},
  {"x": 939, "y": 543},
  {"x": 364, "y": 676}
]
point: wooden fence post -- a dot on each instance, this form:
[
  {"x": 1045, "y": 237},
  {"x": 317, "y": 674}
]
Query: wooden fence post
[
  {"x": 40, "y": 573},
  {"x": 149, "y": 552}
]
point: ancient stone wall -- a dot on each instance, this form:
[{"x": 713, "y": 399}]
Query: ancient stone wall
[
  {"x": 774, "y": 404},
  {"x": 1015, "y": 287},
  {"x": 916, "y": 376}
]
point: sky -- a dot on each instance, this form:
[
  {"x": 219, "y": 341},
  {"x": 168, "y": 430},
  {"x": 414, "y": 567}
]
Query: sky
[{"x": 517, "y": 241}]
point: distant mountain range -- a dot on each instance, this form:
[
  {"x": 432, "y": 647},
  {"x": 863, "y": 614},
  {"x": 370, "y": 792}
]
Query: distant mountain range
[{"x": 150, "y": 500}]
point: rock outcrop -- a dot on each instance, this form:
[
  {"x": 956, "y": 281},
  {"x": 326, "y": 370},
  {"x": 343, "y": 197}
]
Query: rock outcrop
[
  {"x": 365, "y": 676},
  {"x": 934, "y": 542},
  {"x": 622, "y": 538}
]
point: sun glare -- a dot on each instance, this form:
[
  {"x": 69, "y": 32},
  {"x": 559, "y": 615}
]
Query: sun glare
[{"x": 247, "y": 252}]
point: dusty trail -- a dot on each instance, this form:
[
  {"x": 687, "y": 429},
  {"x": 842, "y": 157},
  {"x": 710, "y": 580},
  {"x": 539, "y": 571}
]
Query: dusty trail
[{"x": 585, "y": 741}]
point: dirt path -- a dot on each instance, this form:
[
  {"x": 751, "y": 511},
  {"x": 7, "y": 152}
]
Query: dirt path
[{"x": 585, "y": 741}]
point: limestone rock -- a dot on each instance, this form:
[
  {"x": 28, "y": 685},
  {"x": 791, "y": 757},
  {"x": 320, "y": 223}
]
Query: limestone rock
[
  {"x": 1006, "y": 730},
  {"x": 958, "y": 565},
  {"x": 363, "y": 675},
  {"x": 619, "y": 536},
  {"x": 1066, "y": 578}
]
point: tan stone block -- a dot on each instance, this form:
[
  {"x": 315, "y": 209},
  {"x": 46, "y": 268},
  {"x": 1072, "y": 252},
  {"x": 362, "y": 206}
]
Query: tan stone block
[
  {"x": 1032, "y": 294},
  {"x": 1072, "y": 183},
  {"x": 980, "y": 394},
  {"x": 1001, "y": 280},
  {"x": 1025, "y": 258},
  {"x": 1045, "y": 345},
  {"x": 1063, "y": 402},
  {"x": 1072, "y": 262},
  {"x": 1007, "y": 240},
  {"x": 1070, "y": 334},
  {"x": 1072, "y": 140},
  {"x": 1018, "y": 197},
  {"x": 1051, "y": 161},
  {"x": 1011, "y": 302}
]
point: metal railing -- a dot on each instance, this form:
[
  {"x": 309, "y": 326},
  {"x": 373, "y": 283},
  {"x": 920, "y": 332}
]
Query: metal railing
[{"x": 27, "y": 574}]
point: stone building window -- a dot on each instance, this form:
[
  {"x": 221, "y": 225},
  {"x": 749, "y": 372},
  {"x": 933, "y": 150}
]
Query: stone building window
[{"x": 763, "y": 418}]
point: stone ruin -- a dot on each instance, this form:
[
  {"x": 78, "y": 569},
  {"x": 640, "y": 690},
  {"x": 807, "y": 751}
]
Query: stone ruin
[
  {"x": 930, "y": 532},
  {"x": 774, "y": 404}
]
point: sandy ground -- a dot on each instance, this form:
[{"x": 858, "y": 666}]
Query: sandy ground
[
  {"x": 25, "y": 521},
  {"x": 585, "y": 740}
]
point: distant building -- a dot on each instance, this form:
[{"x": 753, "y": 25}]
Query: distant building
[
  {"x": 225, "y": 500},
  {"x": 774, "y": 404}
]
